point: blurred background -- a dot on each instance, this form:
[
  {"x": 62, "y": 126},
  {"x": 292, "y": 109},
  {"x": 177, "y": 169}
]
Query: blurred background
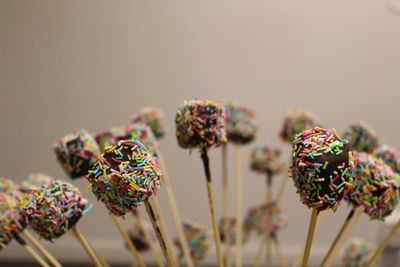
[{"x": 66, "y": 65}]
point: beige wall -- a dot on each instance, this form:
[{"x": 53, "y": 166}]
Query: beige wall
[{"x": 72, "y": 64}]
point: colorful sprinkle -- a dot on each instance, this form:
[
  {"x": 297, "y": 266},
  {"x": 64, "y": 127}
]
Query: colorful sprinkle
[
  {"x": 240, "y": 122},
  {"x": 265, "y": 159},
  {"x": 362, "y": 138},
  {"x": 152, "y": 117},
  {"x": 77, "y": 153},
  {"x": 125, "y": 176},
  {"x": 200, "y": 124},
  {"x": 321, "y": 188},
  {"x": 375, "y": 186},
  {"x": 54, "y": 209}
]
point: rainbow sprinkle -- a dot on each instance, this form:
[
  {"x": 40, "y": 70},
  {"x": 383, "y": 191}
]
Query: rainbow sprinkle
[
  {"x": 321, "y": 168},
  {"x": 356, "y": 253},
  {"x": 198, "y": 239},
  {"x": 152, "y": 117},
  {"x": 200, "y": 124},
  {"x": 375, "y": 186},
  {"x": 77, "y": 153},
  {"x": 295, "y": 122},
  {"x": 125, "y": 176},
  {"x": 264, "y": 159},
  {"x": 362, "y": 138},
  {"x": 54, "y": 209},
  {"x": 240, "y": 122}
]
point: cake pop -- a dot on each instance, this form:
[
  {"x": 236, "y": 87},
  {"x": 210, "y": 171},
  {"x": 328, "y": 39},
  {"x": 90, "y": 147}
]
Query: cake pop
[
  {"x": 231, "y": 223},
  {"x": 125, "y": 176},
  {"x": 390, "y": 156},
  {"x": 138, "y": 237},
  {"x": 375, "y": 186},
  {"x": 356, "y": 253},
  {"x": 35, "y": 182},
  {"x": 77, "y": 153},
  {"x": 322, "y": 168},
  {"x": 200, "y": 124},
  {"x": 198, "y": 239},
  {"x": 152, "y": 117},
  {"x": 264, "y": 159},
  {"x": 240, "y": 123},
  {"x": 295, "y": 122},
  {"x": 362, "y": 138}
]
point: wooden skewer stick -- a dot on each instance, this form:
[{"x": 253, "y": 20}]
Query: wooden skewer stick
[
  {"x": 163, "y": 227},
  {"x": 239, "y": 204},
  {"x": 86, "y": 246},
  {"x": 128, "y": 240},
  {"x": 269, "y": 202},
  {"x": 175, "y": 213},
  {"x": 30, "y": 250},
  {"x": 225, "y": 204},
  {"x": 330, "y": 256},
  {"x": 299, "y": 256},
  {"x": 262, "y": 246},
  {"x": 148, "y": 239},
  {"x": 310, "y": 237},
  {"x": 279, "y": 254},
  {"x": 159, "y": 235},
  {"x": 282, "y": 186},
  {"x": 211, "y": 199},
  {"x": 36, "y": 244},
  {"x": 383, "y": 245}
]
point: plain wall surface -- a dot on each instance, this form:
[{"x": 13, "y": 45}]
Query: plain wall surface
[{"x": 91, "y": 64}]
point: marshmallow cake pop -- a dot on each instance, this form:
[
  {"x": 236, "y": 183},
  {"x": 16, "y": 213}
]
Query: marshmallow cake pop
[
  {"x": 264, "y": 159},
  {"x": 356, "y": 253},
  {"x": 322, "y": 167},
  {"x": 54, "y": 209},
  {"x": 295, "y": 122},
  {"x": 200, "y": 124},
  {"x": 240, "y": 122},
  {"x": 35, "y": 182},
  {"x": 362, "y": 138},
  {"x": 152, "y": 117},
  {"x": 77, "y": 152},
  {"x": 375, "y": 186},
  {"x": 198, "y": 239},
  {"x": 390, "y": 156},
  {"x": 125, "y": 176}
]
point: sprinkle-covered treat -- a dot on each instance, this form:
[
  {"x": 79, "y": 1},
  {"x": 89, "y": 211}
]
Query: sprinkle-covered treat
[
  {"x": 322, "y": 167},
  {"x": 12, "y": 221},
  {"x": 375, "y": 186},
  {"x": 232, "y": 230},
  {"x": 256, "y": 219},
  {"x": 241, "y": 127},
  {"x": 362, "y": 138},
  {"x": 198, "y": 239},
  {"x": 265, "y": 159},
  {"x": 390, "y": 156},
  {"x": 35, "y": 182},
  {"x": 125, "y": 176},
  {"x": 356, "y": 253},
  {"x": 55, "y": 209},
  {"x": 77, "y": 152},
  {"x": 152, "y": 117},
  {"x": 109, "y": 137},
  {"x": 12, "y": 189},
  {"x": 138, "y": 236},
  {"x": 295, "y": 122},
  {"x": 200, "y": 124}
]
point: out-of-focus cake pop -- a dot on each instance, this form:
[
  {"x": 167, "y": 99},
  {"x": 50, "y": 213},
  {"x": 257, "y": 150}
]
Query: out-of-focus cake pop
[
  {"x": 295, "y": 122},
  {"x": 362, "y": 138},
  {"x": 240, "y": 122},
  {"x": 356, "y": 253},
  {"x": 152, "y": 117}
]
